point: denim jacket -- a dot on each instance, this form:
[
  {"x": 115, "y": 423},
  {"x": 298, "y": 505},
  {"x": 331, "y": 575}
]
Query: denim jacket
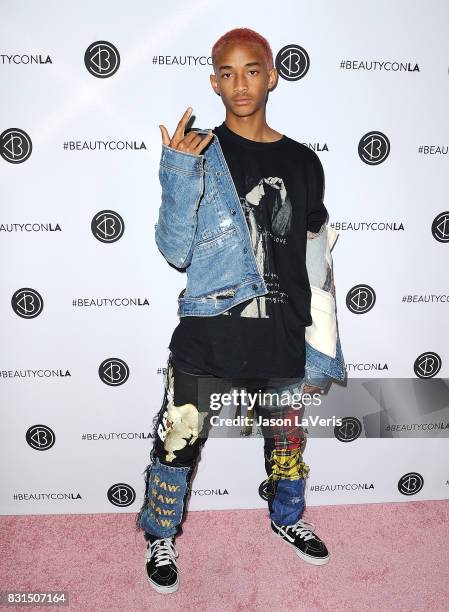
[{"x": 202, "y": 227}]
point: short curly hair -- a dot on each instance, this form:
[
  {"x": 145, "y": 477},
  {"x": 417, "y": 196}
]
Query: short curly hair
[{"x": 238, "y": 35}]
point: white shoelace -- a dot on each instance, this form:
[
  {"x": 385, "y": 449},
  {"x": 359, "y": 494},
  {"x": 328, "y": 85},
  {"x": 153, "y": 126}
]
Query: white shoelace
[
  {"x": 164, "y": 551},
  {"x": 303, "y": 529}
]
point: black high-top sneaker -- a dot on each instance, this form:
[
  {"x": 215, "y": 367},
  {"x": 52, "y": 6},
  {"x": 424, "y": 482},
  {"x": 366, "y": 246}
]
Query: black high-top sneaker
[
  {"x": 307, "y": 544},
  {"x": 160, "y": 564}
]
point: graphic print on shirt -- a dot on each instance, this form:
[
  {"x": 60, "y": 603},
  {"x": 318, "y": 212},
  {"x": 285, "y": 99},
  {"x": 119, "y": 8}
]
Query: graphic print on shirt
[{"x": 268, "y": 213}]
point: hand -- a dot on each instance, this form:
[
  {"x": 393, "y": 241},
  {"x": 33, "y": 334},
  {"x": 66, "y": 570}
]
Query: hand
[
  {"x": 277, "y": 183},
  {"x": 191, "y": 143}
]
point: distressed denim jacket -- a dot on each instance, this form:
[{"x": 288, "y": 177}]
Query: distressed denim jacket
[{"x": 202, "y": 227}]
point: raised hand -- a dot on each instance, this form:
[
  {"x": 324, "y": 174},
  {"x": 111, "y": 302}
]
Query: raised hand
[
  {"x": 277, "y": 183},
  {"x": 190, "y": 143}
]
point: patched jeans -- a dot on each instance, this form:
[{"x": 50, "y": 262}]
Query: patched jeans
[{"x": 181, "y": 429}]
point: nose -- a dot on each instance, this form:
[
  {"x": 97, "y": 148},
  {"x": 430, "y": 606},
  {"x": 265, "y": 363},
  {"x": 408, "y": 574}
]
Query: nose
[{"x": 240, "y": 84}]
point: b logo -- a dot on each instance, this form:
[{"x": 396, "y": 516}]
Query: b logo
[
  {"x": 292, "y": 62},
  {"x": 411, "y": 483},
  {"x": 360, "y": 299},
  {"x": 374, "y": 148},
  {"x": 15, "y": 146},
  {"x": 113, "y": 372},
  {"x": 440, "y": 227},
  {"x": 427, "y": 365},
  {"x": 27, "y": 303},
  {"x": 263, "y": 489},
  {"x": 349, "y": 430},
  {"x": 107, "y": 226},
  {"x": 102, "y": 59},
  {"x": 121, "y": 494},
  {"x": 40, "y": 437}
]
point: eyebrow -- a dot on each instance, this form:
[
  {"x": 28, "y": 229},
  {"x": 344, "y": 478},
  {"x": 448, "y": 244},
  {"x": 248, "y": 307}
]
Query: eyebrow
[{"x": 248, "y": 64}]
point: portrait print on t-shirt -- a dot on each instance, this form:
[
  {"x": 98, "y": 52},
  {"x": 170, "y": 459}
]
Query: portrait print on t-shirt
[{"x": 268, "y": 212}]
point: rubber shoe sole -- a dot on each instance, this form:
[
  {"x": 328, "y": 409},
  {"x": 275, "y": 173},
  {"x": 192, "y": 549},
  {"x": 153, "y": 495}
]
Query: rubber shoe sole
[
  {"x": 159, "y": 588},
  {"x": 303, "y": 556}
]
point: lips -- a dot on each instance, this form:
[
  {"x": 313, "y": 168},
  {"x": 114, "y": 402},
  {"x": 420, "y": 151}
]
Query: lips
[{"x": 242, "y": 100}]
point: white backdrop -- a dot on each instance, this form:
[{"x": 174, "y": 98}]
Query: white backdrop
[{"x": 88, "y": 304}]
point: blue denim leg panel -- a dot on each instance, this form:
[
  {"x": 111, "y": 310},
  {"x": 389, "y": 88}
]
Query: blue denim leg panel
[
  {"x": 167, "y": 487},
  {"x": 288, "y": 503},
  {"x": 320, "y": 367}
]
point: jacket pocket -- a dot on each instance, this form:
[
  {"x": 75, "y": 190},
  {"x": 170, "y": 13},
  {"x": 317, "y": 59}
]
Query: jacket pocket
[
  {"x": 214, "y": 244},
  {"x": 322, "y": 334},
  {"x": 217, "y": 265}
]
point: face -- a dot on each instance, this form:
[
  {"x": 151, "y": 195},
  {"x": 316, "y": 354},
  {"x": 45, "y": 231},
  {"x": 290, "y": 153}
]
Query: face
[
  {"x": 242, "y": 78},
  {"x": 256, "y": 194}
]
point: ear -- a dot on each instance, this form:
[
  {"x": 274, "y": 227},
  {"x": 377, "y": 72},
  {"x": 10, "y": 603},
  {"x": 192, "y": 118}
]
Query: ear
[
  {"x": 213, "y": 82},
  {"x": 272, "y": 78}
]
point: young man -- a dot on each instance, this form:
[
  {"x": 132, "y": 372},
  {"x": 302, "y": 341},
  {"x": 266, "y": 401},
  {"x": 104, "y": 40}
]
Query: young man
[{"x": 274, "y": 190}]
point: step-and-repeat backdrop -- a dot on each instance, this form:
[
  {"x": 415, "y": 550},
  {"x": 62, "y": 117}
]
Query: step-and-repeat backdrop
[{"x": 88, "y": 304}]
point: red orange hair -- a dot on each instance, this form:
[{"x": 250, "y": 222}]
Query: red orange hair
[{"x": 244, "y": 35}]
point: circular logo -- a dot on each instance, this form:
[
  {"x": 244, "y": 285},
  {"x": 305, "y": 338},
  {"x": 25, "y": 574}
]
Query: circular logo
[
  {"x": 27, "y": 303},
  {"x": 440, "y": 227},
  {"x": 121, "y": 494},
  {"x": 360, "y": 299},
  {"x": 107, "y": 226},
  {"x": 349, "y": 430},
  {"x": 113, "y": 372},
  {"x": 263, "y": 489},
  {"x": 102, "y": 59},
  {"x": 40, "y": 437},
  {"x": 15, "y": 145},
  {"x": 411, "y": 483},
  {"x": 374, "y": 148},
  {"x": 292, "y": 62},
  {"x": 427, "y": 365}
]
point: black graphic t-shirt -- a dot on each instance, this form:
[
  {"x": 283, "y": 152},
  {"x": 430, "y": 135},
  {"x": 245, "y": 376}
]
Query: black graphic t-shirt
[{"x": 280, "y": 186}]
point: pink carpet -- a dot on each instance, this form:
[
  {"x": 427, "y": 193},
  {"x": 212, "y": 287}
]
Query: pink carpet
[{"x": 384, "y": 557}]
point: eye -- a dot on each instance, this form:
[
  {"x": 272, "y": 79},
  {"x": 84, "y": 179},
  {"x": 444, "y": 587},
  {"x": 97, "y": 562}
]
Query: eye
[
  {"x": 255, "y": 71},
  {"x": 225, "y": 74}
]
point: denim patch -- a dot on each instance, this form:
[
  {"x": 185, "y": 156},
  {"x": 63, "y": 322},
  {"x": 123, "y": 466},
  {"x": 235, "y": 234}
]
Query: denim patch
[
  {"x": 164, "y": 503},
  {"x": 288, "y": 503}
]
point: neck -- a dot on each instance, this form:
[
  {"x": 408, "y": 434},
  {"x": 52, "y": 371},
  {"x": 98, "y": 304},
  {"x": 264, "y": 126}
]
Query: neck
[{"x": 253, "y": 127}]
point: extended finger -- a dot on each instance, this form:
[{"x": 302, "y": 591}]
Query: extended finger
[
  {"x": 179, "y": 132},
  {"x": 165, "y": 135},
  {"x": 204, "y": 142}
]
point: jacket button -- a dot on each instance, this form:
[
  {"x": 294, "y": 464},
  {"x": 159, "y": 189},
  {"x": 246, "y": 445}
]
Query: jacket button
[
  {"x": 254, "y": 286},
  {"x": 245, "y": 249},
  {"x": 233, "y": 211}
]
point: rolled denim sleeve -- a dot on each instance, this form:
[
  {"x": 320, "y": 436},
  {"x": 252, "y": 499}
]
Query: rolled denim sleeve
[
  {"x": 181, "y": 176},
  {"x": 316, "y": 211}
]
